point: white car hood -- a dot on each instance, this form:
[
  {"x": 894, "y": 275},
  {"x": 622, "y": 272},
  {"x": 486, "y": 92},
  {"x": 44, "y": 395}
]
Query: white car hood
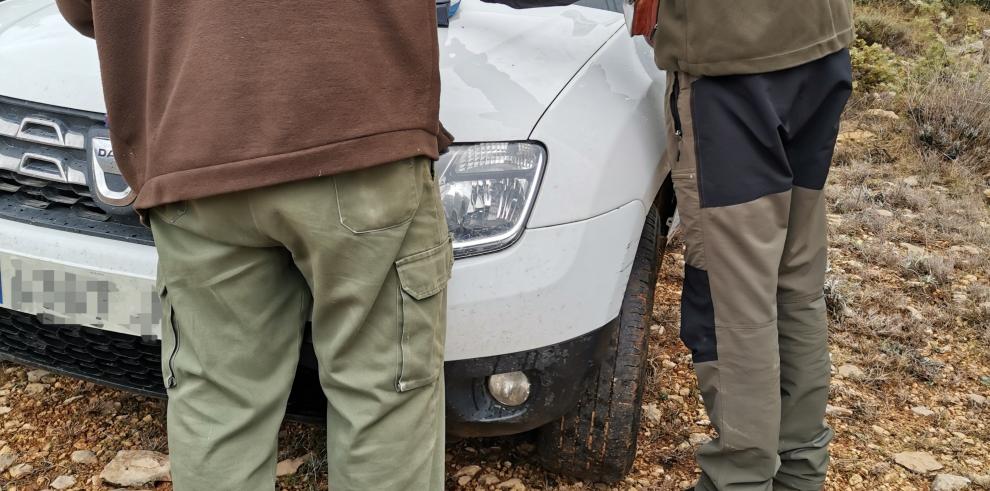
[
  {"x": 44, "y": 60},
  {"x": 501, "y": 68}
]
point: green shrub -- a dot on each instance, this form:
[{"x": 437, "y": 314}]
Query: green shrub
[
  {"x": 875, "y": 67},
  {"x": 875, "y": 28},
  {"x": 934, "y": 62},
  {"x": 931, "y": 8}
]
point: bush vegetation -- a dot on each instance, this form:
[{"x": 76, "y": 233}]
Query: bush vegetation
[
  {"x": 930, "y": 57},
  {"x": 952, "y": 116},
  {"x": 900, "y": 43}
]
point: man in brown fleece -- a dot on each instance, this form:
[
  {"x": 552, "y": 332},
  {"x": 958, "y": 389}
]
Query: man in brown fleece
[{"x": 282, "y": 154}]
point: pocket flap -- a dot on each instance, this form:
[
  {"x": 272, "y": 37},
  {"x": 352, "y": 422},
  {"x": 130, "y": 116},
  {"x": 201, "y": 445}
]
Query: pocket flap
[{"x": 425, "y": 274}]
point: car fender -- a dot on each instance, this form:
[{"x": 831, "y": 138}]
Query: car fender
[{"x": 605, "y": 135}]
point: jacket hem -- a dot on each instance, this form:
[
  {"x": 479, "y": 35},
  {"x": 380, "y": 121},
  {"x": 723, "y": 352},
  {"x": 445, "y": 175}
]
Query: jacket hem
[
  {"x": 324, "y": 160},
  {"x": 768, "y": 64}
]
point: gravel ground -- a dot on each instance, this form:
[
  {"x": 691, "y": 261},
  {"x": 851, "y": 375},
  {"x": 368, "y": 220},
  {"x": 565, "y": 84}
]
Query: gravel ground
[{"x": 51, "y": 416}]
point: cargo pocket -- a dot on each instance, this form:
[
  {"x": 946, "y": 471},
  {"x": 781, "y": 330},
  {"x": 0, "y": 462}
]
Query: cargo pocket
[
  {"x": 378, "y": 198},
  {"x": 685, "y": 170},
  {"x": 422, "y": 315},
  {"x": 170, "y": 338}
]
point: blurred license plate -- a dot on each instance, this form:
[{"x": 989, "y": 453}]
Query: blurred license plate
[{"x": 62, "y": 294}]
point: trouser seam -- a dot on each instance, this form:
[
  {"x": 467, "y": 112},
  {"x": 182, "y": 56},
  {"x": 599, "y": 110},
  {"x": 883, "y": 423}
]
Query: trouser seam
[
  {"x": 746, "y": 326},
  {"x": 802, "y": 299},
  {"x": 702, "y": 226}
]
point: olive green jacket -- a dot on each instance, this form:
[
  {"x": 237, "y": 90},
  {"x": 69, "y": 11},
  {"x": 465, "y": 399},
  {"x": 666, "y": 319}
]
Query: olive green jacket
[{"x": 734, "y": 37}]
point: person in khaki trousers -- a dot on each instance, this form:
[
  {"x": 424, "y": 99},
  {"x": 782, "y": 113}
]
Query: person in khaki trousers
[
  {"x": 755, "y": 93},
  {"x": 755, "y": 90},
  {"x": 282, "y": 153}
]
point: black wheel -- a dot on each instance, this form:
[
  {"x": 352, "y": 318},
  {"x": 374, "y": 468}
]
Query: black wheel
[{"x": 596, "y": 441}]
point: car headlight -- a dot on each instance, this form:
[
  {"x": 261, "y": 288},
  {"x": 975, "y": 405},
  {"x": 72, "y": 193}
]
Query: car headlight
[{"x": 487, "y": 190}]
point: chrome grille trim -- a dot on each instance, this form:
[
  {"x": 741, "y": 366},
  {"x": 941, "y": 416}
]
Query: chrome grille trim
[
  {"x": 42, "y": 200},
  {"x": 25, "y": 129},
  {"x": 43, "y": 159},
  {"x": 53, "y": 171},
  {"x": 73, "y": 162},
  {"x": 75, "y": 124}
]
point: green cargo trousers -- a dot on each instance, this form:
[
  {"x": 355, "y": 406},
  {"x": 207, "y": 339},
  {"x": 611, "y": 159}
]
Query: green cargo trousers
[
  {"x": 366, "y": 257},
  {"x": 749, "y": 158}
]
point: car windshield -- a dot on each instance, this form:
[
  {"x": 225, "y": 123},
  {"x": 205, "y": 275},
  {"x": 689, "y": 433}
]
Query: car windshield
[{"x": 613, "y": 5}]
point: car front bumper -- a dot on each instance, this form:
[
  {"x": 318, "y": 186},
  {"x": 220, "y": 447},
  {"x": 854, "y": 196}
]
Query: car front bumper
[
  {"x": 555, "y": 284},
  {"x": 539, "y": 306},
  {"x": 557, "y": 373}
]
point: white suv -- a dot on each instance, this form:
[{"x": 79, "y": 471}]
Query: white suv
[{"x": 552, "y": 292}]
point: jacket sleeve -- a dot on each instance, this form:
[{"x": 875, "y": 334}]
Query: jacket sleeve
[
  {"x": 528, "y": 4},
  {"x": 79, "y": 13}
]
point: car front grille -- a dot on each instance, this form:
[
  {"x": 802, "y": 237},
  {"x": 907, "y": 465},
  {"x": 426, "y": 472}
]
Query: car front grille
[
  {"x": 41, "y": 194},
  {"x": 43, "y": 160},
  {"x": 44, "y": 172},
  {"x": 125, "y": 362},
  {"x": 119, "y": 360}
]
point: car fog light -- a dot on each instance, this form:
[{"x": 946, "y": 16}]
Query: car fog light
[{"x": 510, "y": 389}]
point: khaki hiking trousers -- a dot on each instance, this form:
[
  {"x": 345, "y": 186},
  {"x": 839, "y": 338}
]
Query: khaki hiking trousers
[
  {"x": 366, "y": 256},
  {"x": 749, "y": 156}
]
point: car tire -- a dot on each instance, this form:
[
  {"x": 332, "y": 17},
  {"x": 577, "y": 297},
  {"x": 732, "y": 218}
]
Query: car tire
[{"x": 596, "y": 440}]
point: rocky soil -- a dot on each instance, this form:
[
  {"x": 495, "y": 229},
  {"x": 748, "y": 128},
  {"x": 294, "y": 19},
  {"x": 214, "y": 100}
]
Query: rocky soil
[{"x": 60, "y": 433}]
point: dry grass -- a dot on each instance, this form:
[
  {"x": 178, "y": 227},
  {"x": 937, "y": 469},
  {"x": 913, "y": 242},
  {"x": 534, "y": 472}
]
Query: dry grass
[
  {"x": 908, "y": 290},
  {"x": 952, "y": 117}
]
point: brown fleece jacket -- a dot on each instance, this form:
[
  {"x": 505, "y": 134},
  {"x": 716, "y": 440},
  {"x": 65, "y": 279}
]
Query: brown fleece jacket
[{"x": 212, "y": 97}]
